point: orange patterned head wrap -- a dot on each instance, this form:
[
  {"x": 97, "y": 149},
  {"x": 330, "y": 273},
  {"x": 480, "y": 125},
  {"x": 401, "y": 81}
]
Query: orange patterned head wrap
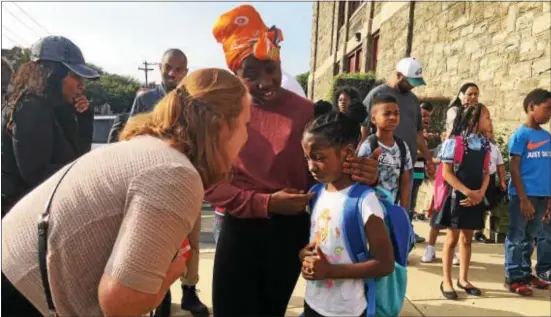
[{"x": 242, "y": 32}]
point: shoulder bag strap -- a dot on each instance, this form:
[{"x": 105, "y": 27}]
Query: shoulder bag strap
[{"x": 43, "y": 225}]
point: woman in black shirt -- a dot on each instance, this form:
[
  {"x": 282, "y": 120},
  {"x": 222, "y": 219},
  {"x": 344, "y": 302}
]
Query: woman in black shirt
[{"x": 46, "y": 123}]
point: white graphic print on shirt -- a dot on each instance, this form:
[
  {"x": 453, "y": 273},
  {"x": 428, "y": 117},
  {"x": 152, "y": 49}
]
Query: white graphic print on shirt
[
  {"x": 390, "y": 162},
  {"x": 344, "y": 297}
]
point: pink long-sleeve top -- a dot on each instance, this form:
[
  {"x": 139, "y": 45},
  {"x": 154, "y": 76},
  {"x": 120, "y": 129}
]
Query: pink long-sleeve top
[{"x": 272, "y": 158}]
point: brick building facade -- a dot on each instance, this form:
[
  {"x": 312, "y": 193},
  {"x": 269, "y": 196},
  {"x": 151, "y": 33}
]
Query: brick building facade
[{"x": 504, "y": 47}]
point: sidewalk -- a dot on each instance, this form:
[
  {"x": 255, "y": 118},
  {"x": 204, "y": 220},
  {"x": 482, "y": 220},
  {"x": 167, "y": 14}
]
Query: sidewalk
[{"x": 423, "y": 293}]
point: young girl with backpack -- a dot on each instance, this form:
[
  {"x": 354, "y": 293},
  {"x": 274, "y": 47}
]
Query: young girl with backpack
[
  {"x": 335, "y": 285},
  {"x": 463, "y": 210}
]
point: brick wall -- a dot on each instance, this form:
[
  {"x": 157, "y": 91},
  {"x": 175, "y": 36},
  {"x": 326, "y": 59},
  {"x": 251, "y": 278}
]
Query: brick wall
[
  {"x": 326, "y": 38},
  {"x": 392, "y": 42},
  {"x": 503, "y": 47}
]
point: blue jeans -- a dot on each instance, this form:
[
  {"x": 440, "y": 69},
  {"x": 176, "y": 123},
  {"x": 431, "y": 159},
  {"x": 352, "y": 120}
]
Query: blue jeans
[
  {"x": 519, "y": 244},
  {"x": 544, "y": 248}
]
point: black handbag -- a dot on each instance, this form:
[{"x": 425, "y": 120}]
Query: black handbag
[{"x": 43, "y": 225}]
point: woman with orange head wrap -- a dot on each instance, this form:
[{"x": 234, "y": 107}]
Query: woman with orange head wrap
[{"x": 264, "y": 228}]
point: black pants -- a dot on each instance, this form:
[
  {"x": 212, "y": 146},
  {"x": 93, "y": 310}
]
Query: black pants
[
  {"x": 309, "y": 312},
  {"x": 14, "y": 303},
  {"x": 414, "y": 192},
  {"x": 256, "y": 265}
]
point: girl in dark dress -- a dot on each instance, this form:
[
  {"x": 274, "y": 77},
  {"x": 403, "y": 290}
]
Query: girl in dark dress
[{"x": 464, "y": 210}]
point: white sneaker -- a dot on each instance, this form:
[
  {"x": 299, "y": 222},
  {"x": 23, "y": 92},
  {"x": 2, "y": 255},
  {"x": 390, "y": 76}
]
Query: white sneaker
[
  {"x": 455, "y": 260},
  {"x": 430, "y": 254}
]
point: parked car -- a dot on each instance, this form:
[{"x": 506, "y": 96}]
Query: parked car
[{"x": 102, "y": 126}]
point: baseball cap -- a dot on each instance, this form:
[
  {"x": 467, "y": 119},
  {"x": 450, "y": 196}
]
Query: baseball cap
[
  {"x": 412, "y": 70},
  {"x": 61, "y": 49}
]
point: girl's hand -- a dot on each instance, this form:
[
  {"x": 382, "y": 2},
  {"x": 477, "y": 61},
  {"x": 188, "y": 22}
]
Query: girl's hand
[
  {"x": 316, "y": 267},
  {"x": 308, "y": 250},
  {"x": 475, "y": 196}
]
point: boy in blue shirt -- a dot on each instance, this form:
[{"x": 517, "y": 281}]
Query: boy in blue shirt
[{"x": 530, "y": 191}]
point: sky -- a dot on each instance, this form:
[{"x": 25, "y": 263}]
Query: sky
[{"x": 119, "y": 36}]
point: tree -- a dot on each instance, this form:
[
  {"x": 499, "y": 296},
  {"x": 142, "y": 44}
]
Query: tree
[
  {"x": 116, "y": 90},
  {"x": 303, "y": 81}
]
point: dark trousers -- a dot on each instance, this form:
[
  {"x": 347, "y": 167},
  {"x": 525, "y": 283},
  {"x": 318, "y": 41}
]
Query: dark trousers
[
  {"x": 309, "y": 312},
  {"x": 256, "y": 265},
  {"x": 414, "y": 192},
  {"x": 14, "y": 304},
  {"x": 164, "y": 308}
]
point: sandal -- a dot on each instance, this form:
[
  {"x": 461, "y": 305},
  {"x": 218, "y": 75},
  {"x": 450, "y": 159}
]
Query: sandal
[
  {"x": 452, "y": 295},
  {"x": 519, "y": 288},
  {"x": 470, "y": 290}
]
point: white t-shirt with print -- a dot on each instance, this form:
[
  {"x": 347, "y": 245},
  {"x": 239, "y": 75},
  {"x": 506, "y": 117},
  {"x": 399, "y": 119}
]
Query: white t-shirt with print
[
  {"x": 345, "y": 297},
  {"x": 390, "y": 161},
  {"x": 495, "y": 158}
]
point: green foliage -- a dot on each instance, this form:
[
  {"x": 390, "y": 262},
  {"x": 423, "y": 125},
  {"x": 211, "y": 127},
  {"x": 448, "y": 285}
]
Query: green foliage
[
  {"x": 303, "y": 81},
  {"x": 501, "y": 139},
  {"x": 363, "y": 82},
  {"x": 116, "y": 90},
  {"x": 438, "y": 118}
]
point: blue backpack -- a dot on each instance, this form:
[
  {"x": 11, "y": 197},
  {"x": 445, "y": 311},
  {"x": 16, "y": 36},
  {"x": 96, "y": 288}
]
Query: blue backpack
[{"x": 385, "y": 296}]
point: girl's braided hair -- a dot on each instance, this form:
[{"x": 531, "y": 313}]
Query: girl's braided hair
[
  {"x": 336, "y": 128},
  {"x": 466, "y": 121}
]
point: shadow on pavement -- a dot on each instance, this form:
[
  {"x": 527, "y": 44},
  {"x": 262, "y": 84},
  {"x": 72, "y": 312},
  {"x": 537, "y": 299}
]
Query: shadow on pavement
[
  {"x": 449, "y": 308},
  {"x": 482, "y": 273}
]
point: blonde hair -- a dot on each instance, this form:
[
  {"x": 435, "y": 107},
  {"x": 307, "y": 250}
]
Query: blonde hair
[{"x": 191, "y": 117}]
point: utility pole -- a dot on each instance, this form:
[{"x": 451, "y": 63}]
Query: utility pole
[{"x": 146, "y": 70}]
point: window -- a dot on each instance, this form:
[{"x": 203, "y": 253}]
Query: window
[
  {"x": 341, "y": 14},
  {"x": 355, "y": 61},
  {"x": 375, "y": 50},
  {"x": 352, "y": 7}
]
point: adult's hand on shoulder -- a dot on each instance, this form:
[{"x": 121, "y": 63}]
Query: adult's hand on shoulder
[
  {"x": 289, "y": 201},
  {"x": 364, "y": 169}
]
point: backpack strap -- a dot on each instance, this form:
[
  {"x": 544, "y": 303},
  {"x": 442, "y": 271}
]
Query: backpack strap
[
  {"x": 459, "y": 150},
  {"x": 317, "y": 189},
  {"x": 355, "y": 240},
  {"x": 487, "y": 161},
  {"x": 403, "y": 157},
  {"x": 403, "y": 153},
  {"x": 373, "y": 142}
]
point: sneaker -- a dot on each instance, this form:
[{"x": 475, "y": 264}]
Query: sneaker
[
  {"x": 518, "y": 287},
  {"x": 478, "y": 236},
  {"x": 192, "y": 303},
  {"x": 419, "y": 239},
  {"x": 430, "y": 254},
  {"x": 455, "y": 260},
  {"x": 543, "y": 280}
]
